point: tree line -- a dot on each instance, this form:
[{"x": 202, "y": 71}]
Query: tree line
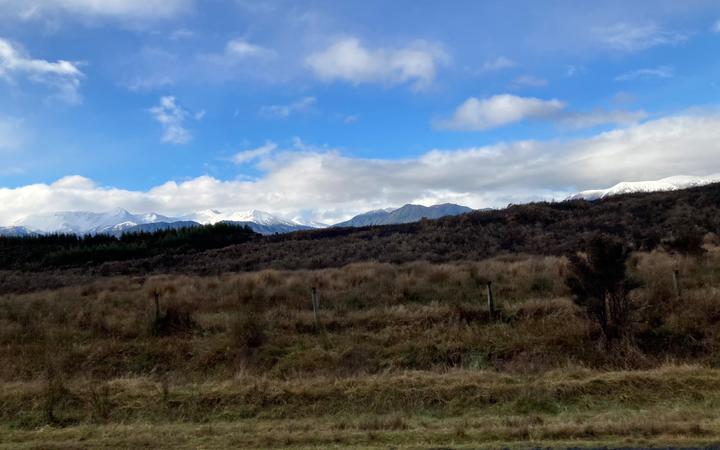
[{"x": 62, "y": 250}]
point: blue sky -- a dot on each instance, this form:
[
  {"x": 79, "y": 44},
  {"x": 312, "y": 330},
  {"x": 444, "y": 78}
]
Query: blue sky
[{"x": 323, "y": 109}]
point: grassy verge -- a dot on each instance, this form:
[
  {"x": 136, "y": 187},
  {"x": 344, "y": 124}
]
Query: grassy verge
[{"x": 457, "y": 409}]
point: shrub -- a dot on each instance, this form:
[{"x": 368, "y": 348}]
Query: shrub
[
  {"x": 176, "y": 320},
  {"x": 687, "y": 240},
  {"x": 599, "y": 283},
  {"x": 248, "y": 332}
]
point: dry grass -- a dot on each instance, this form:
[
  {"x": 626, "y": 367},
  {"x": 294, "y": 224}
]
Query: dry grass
[
  {"x": 406, "y": 356},
  {"x": 458, "y": 409}
]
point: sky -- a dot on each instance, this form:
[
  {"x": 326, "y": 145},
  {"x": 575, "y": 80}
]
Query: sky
[{"x": 323, "y": 109}]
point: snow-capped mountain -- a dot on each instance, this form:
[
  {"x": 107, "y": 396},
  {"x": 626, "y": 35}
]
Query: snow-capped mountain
[
  {"x": 119, "y": 221},
  {"x": 84, "y": 222},
  {"x": 259, "y": 221},
  {"x": 211, "y": 216},
  {"x": 406, "y": 214},
  {"x": 666, "y": 184},
  {"x": 309, "y": 223},
  {"x": 15, "y": 232}
]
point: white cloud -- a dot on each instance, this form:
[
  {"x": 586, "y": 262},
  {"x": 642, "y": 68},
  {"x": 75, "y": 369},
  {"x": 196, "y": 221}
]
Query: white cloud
[
  {"x": 123, "y": 9},
  {"x": 499, "y": 63},
  {"x": 657, "y": 72},
  {"x": 716, "y": 27},
  {"x": 334, "y": 186},
  {"x": 172, "y": 117},
  {"x": 482, "y": 114},
  {"x": 528, "y": 81},
  {"x": 637, "y": 37},
  {"x": 597, "y": 117},
  {"x": 238, "y": 49},
  {"x": 63, "y": 76},
  {"x": 246, "y": 156},
  {"x": 302, "y": 105},
  {"x": 349, "y": 60}
]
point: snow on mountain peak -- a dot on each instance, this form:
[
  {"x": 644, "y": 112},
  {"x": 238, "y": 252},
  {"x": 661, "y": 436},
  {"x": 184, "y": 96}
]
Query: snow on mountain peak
[
  {"x": 666, "y": 184},
  {"x": 259, "y": 217},
  {"x": 211, "y": 216},
  {"x": 84, "y": 222}
]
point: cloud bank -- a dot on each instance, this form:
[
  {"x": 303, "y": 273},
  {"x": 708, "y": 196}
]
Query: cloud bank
[{"x": 333, "y": 186}]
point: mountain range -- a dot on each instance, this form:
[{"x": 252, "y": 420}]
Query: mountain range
[
  {"x": 406, "y": 214},
  {"x": 119, "y": 221}
]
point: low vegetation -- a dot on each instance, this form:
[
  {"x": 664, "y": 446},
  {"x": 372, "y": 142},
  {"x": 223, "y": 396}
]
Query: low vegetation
[{"x": 402, "y": 355}]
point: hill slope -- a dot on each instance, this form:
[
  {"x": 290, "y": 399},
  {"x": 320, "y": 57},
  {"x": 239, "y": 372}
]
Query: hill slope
[{"x": 642, "y": 220}]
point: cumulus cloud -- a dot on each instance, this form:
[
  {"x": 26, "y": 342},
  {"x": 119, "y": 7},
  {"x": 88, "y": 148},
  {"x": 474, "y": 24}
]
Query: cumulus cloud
[
  {"x": 481, "y": 114},
  {"x": 172, "y": 117},
  {"x": 334, "y": 186},
  {"x": 637, "y": 37},
  {"x": 349, "y": 60},
  {"x": 246, "y": 156},
  {"x": 63, "y": 76},
  {"x": 657, "y": 72},
  {"x": 123, "y": 9},
  {"x": 302, "y": 105}
]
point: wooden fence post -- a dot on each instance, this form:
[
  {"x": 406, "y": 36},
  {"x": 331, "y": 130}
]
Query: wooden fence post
[
  {"x": 316, "y": 306},
  {"x": 490, "y": 300},
  {"x": 676, "y": 283},
  {"x": 156, "y": 293}
]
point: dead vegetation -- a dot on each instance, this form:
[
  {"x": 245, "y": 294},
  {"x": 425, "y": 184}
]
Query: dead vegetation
[{"x": 405, "y": 355}]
